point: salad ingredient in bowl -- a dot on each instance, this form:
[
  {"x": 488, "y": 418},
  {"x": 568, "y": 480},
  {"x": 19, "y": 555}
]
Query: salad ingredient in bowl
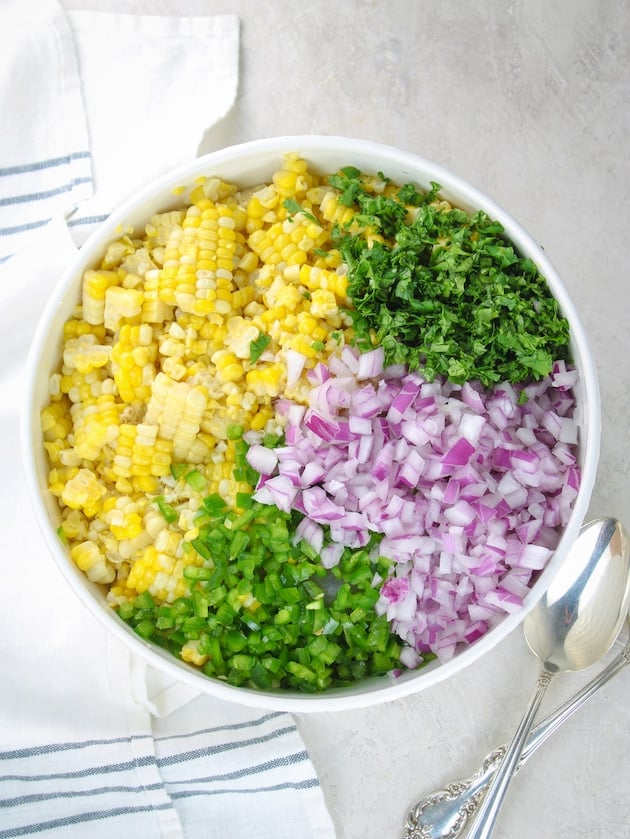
[{"x": 314, "y": 430}]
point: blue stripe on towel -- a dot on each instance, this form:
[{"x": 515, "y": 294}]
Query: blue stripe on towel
[
  {"x": 33, "y": 192},
  {"x": 308, "y": 783},
  {"x": 228, "y": 727},
  {"x": 38, "y": 165},
  {"x": 50, "y": 748},
  {"x": 224, "y": 747},
  {"x": 32, "y": 197},
  {"x": 79, "y": 793},
  {"x": 80, "y": 818},
  {"x": 22, "y": 228},
  {"x": 236, "y": 774},
  {"x": 87, "y": 220},
  {"x": 289, "y": 760},
  {"x": 104, "y": 769},
  {"x": 274, "y": 763}
]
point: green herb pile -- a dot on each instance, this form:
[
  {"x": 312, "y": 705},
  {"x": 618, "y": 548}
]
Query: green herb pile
[{"x": 445, "y": 293}]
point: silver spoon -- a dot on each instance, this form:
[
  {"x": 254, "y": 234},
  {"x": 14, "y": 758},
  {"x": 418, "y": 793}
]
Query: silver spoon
[
  {"x": 572, "y": 627},
  {"x": 443, "y": 814}
]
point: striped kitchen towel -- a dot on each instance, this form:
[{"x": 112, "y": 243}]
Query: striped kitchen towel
[
  {"x": 75, "y": 761},
  {"x": 210, "y": 769},
  {"x": 92, "y": 740},
  {"x": 45, "y": 161}
]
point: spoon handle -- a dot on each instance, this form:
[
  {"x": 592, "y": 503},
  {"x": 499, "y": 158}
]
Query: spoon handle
[
  {"x": 489, "y": 806},
  {"x": 551, "y": 723},
  {"x": 444, "y": 813}
]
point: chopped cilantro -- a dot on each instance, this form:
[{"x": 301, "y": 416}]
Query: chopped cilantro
[
  {"x": 445, "y": 292},
  {"x": 294, "y": 209},
  {"x": 258, "y": 346}
]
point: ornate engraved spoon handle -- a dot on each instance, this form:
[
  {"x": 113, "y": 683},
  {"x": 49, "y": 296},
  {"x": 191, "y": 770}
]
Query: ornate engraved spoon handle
[{"x": 443, "y": 814}]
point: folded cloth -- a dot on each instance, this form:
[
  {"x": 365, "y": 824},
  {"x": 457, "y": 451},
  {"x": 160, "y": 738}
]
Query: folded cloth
[
  {"x": 91, "y": 738},
  {"x": 44, "y": 156},
  {"x": 151, "y": 87}
]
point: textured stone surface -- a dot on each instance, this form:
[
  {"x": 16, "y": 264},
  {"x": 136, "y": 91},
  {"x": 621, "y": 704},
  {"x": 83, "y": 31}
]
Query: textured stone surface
[{"x": 530, "y": 101}]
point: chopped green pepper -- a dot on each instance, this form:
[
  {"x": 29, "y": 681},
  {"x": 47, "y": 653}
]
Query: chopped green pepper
[{"x": 259, "y": 608}]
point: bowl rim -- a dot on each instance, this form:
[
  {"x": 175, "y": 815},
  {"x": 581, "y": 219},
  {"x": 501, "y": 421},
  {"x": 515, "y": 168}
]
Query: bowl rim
[{"x": 379, "y": 689}]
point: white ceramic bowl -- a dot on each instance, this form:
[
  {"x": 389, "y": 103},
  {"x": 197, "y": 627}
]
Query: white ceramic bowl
[{"x": 247, "y": 165}]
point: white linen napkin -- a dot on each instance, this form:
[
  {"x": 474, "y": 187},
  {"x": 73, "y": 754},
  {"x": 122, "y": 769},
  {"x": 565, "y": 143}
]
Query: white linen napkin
[
  {"x": 91, "y": 739},
  {"x": 44, "y": 154},
  {"x": 151, "y": 87}
]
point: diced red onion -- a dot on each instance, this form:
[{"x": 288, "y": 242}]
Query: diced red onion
[
  {"x": 350, "y": 358},
  {"x": 318, "y": 374},
  {"x": 324, "y": 428},
  {"x": 310, "y": 532},
  {"x": 394, "y": 371},
  {"x": 459, "y": 453},
  {"x": 468, "y": 488},
  {"x": 312, "y": 473},
  {"x": 262, "y": 459},
  {"x": 295, "y": 364},
  {"x": 331, "y": 554},
  {"x": 319, "y": 507},
  {"x": 561, "y": 378},
  {"x": 283, "y": 492},
  {"x": 370, "y": 364}
]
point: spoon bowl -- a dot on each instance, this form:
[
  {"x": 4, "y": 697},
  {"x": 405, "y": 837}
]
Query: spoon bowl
[
  {"x": 572, "y": 627},
  {"x": 578, "y": 618}
]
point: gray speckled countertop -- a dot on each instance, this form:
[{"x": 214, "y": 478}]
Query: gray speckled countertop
[{"x": 530, "y": 102}]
